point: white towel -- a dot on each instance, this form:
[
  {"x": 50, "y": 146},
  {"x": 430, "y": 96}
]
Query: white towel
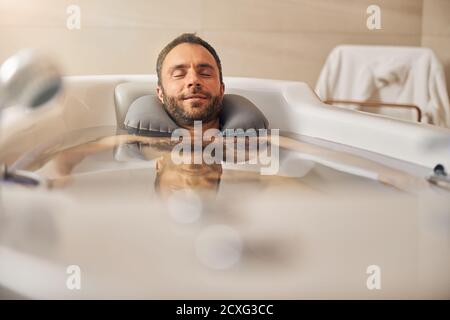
[{"x": 406, "y": 75}]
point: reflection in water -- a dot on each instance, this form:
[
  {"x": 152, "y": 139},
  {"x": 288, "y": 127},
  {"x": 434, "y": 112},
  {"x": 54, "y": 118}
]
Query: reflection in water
[
  {"x": 269, "y": 229},
  {"x": 172, "y": 177},
  {"x": 187, "y": 188},
  {"x": 57, "y": 164},
  {"x": 184, "y": 187}
]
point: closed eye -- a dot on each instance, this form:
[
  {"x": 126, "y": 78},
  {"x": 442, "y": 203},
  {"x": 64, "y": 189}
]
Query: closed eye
[
  {"x": 178, "y": 74},
  {"x": 205, "y": 70}
]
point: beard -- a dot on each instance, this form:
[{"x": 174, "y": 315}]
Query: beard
[{"x": 173, "y": 106}]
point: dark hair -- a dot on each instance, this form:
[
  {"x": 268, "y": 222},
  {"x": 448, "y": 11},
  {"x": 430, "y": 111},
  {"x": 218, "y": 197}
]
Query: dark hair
[{"x": 186, "y": 38}]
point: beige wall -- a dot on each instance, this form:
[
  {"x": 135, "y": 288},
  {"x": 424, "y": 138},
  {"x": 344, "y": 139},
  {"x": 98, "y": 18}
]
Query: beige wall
[
  {"x": 436, "y": 31},
  {"x": 280, "y": 39}
]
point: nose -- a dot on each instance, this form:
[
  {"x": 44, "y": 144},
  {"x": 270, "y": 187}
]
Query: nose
[{"x": 192, "y": 79}]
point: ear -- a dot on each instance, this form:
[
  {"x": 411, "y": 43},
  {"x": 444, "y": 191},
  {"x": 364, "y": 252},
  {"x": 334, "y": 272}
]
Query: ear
[
  {"x": 222, "y": 88},
  {"x": 159, "y": 92}
]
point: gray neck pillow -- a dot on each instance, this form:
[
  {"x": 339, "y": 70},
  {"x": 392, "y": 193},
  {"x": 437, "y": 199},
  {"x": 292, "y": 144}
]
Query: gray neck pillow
[{"x": 146, "y": 115}]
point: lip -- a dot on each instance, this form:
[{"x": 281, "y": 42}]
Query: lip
[{"x": 195, "y": 96}]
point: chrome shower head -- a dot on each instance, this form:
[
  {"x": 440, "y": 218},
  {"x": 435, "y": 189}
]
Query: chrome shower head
[{"x": 28, "y": 79}]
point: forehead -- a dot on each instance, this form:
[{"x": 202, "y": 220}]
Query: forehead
[{"x": 188, "y": 53}]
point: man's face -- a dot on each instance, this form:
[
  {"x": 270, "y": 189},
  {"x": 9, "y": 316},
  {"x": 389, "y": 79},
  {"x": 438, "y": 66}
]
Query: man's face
[{"x": 190, "y": 85}]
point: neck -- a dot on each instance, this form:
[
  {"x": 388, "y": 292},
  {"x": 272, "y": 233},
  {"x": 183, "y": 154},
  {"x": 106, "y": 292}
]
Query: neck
[
  {"x": 197, "y": 131},
  {"x": 214, "y": 124}
]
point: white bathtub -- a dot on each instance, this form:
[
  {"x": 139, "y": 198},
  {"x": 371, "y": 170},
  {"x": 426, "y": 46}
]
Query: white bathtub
[{"x": 315, "y": 230}]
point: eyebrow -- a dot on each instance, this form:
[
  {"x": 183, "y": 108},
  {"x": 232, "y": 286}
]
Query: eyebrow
[
  {"x": 185, "y": 66},
  {"x": 205, "y": 65}
]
